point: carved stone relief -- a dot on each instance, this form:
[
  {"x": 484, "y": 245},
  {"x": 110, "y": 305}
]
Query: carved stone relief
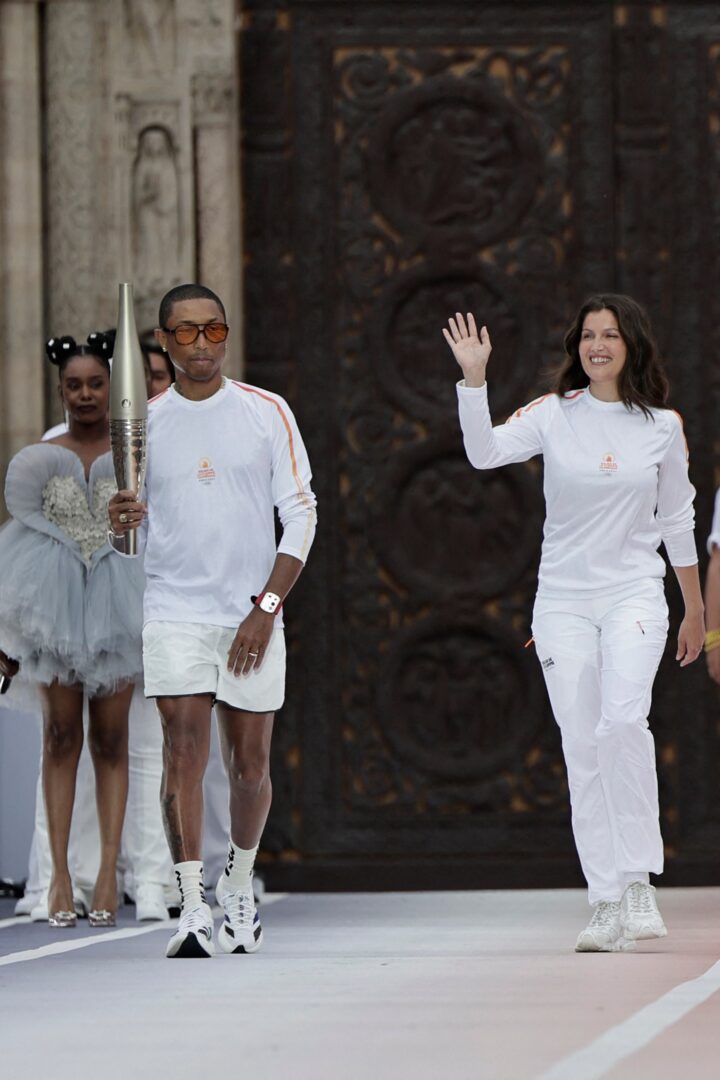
[
  {"x": 156, "y": 220},
  {"x": 429, "y": 165},
  {"x": 218, "y": 198},
  {"x": 414, "y": 373},
  {"x": 453, "y": 191},
  {"x": 154, "y": 185},
  {"x": 206, "y": 32},
  {"x": 150, "y": 34},
  {"x": 214, "y": 97},
  {"x": 449, "y": 153},
  {"x": 428, "y": 685},
  {"x": 436, "y": 160},
  {"x": 122, "y": 134}
]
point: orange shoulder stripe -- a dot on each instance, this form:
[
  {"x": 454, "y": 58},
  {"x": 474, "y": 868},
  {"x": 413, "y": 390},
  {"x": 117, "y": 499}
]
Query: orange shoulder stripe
[
  {"x": 288, "y": 429},
  {"x": 527, "y": 408},
  {"x": 161, "y": 394},
  {"x": 296, "y": 474}
]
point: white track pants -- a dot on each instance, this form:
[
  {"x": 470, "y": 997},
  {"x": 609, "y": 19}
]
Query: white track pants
[
  {"x": 599, "y": 659},
  {"x": 145, "y": 851}
]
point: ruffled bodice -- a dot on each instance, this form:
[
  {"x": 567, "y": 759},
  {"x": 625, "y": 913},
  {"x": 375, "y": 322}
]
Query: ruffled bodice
[
  {"x": 46, "y": 490},
  {"x": 69, "y": 608},
  {"x": 66, "y": 505}
]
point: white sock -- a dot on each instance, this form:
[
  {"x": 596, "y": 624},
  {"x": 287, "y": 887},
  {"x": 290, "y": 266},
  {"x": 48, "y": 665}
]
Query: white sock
[
  {"x": 239, "y": 867},
  {"x": 189, "y": 877}
]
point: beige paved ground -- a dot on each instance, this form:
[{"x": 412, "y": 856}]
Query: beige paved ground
[{"x": 483, "y": 986}]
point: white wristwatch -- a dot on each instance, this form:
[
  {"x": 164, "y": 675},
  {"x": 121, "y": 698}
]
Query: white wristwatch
[{"x": 267, "y": 601}]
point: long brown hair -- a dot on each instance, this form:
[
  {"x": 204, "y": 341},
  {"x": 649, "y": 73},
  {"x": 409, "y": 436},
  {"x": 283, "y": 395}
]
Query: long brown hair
[{"x": 642, "y": 383}]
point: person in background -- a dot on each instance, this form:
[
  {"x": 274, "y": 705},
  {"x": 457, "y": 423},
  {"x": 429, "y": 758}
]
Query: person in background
[
  {"x": 145, "y": 870},
  {"x": 161, "y": 373},
  {"x": 712, "y": 597},
  {"x": 69, "y": 622}
]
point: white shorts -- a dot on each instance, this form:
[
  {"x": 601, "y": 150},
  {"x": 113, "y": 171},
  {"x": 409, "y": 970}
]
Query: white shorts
[{"x": 191, "y": 658}]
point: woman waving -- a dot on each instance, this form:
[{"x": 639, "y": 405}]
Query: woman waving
[{"x": 616, "y": 486}]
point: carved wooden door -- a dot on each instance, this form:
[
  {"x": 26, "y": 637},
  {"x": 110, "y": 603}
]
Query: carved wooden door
[{"x": 403, "y": 162}]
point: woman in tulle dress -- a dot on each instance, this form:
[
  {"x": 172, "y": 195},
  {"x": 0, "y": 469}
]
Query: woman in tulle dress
[{"x": 71, "y": 615}]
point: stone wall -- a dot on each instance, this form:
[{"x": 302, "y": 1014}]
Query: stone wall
[
  {"x": 21, "y": 246},
  {"x": 119, "y": 139}
]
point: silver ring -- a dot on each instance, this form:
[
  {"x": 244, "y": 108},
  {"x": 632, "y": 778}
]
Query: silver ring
[
  {"x": 253, "y": 654},
  {"x": 123, "y": 519}
]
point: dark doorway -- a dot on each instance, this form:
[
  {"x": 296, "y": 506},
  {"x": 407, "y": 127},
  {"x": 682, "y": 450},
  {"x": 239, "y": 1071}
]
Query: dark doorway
[{"x": 403, "y": 161}]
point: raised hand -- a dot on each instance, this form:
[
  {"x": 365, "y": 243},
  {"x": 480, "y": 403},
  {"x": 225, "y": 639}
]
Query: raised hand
[{"x": 470, "y": 349}]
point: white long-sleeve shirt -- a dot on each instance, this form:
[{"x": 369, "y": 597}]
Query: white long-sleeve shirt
[
  {"x": 616, "y": 485},
  {"x": 216, "y": 470},
  {"x": 714, "y": 537}
]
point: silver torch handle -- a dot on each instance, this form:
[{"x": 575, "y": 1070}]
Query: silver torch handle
[
  {"x": 129, "y": 450},
  {"x": 128, "y": 409}
]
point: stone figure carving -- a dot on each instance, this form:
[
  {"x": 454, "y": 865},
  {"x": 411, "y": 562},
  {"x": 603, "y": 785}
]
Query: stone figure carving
[
  {"x": 155, "y": 210},
  {"x": 151, "y": 31}
]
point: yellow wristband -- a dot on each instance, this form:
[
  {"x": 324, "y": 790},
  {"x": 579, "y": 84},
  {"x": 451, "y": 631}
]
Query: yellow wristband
[
  {"x": 713, "y": 645},
  {"x": 712, "y": 637}
]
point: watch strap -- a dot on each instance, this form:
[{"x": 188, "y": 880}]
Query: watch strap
[{"x": 267, "y": 601}]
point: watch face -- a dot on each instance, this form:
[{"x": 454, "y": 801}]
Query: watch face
[{"x": 270, "y": 602}]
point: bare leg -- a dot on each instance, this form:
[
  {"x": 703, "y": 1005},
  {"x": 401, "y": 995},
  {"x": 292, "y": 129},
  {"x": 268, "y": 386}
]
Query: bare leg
[
  {"x": 186, "y": 731},
  {"x": 62, "y": 708},
  {"x": 108, "y": 739},
  {"x": 245, "y": 741}
]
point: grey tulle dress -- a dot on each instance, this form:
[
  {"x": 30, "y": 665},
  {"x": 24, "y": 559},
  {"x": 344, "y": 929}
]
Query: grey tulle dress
[{"x": 70, "y": 609}]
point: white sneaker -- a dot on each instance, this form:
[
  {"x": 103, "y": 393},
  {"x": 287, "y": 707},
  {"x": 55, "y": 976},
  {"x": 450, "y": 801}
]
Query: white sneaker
[
  {"x": 30, "y": 900},
  {"x": 241, "y": 931},
  {"x": 83, "y": 899},
  {"x": 640, "y": 918},
  {"x": 39, "y": 912},
  {"x": 603, "y": 930},
  {"x": 193, "y": 937},
  {"x": 150, "y": 904}
]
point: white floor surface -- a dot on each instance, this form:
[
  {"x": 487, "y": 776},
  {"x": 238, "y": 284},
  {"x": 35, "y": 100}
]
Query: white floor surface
[{"x": 414, "y": 986}]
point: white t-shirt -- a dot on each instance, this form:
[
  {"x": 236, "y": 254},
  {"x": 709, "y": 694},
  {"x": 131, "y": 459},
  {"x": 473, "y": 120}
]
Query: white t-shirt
[
  {"x": 53, "y": 432},
  {"x": 216, "y": 470},
  {"x": 714, "y": 537},
  {"x": 616, "y": 485}
]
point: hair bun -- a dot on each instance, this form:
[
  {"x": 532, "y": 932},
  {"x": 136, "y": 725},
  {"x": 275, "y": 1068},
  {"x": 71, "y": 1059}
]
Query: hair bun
[
  {"x": 58, "y": 349},
  {"x": 101, "y": 342}
]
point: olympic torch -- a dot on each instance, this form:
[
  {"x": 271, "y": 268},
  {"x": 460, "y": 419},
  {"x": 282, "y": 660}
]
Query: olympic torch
[{"x": 128, "y": 406}]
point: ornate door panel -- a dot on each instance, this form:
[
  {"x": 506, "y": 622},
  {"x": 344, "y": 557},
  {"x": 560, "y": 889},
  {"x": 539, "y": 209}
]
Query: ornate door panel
[
  {"x": 683, "y": 184},
  {"x": 403, "y": 162}
]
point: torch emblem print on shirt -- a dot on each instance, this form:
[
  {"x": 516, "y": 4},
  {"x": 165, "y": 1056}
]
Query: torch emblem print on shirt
[
  {"x": 608, "y": 465},
  {"x": 205, "y": 473}
]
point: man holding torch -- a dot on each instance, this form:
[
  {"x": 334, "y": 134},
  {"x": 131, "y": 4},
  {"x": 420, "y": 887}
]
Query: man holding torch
[{"x": 221, "y": 456}]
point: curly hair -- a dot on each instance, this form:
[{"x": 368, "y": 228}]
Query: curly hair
[{"x": 642, "y": 383}]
